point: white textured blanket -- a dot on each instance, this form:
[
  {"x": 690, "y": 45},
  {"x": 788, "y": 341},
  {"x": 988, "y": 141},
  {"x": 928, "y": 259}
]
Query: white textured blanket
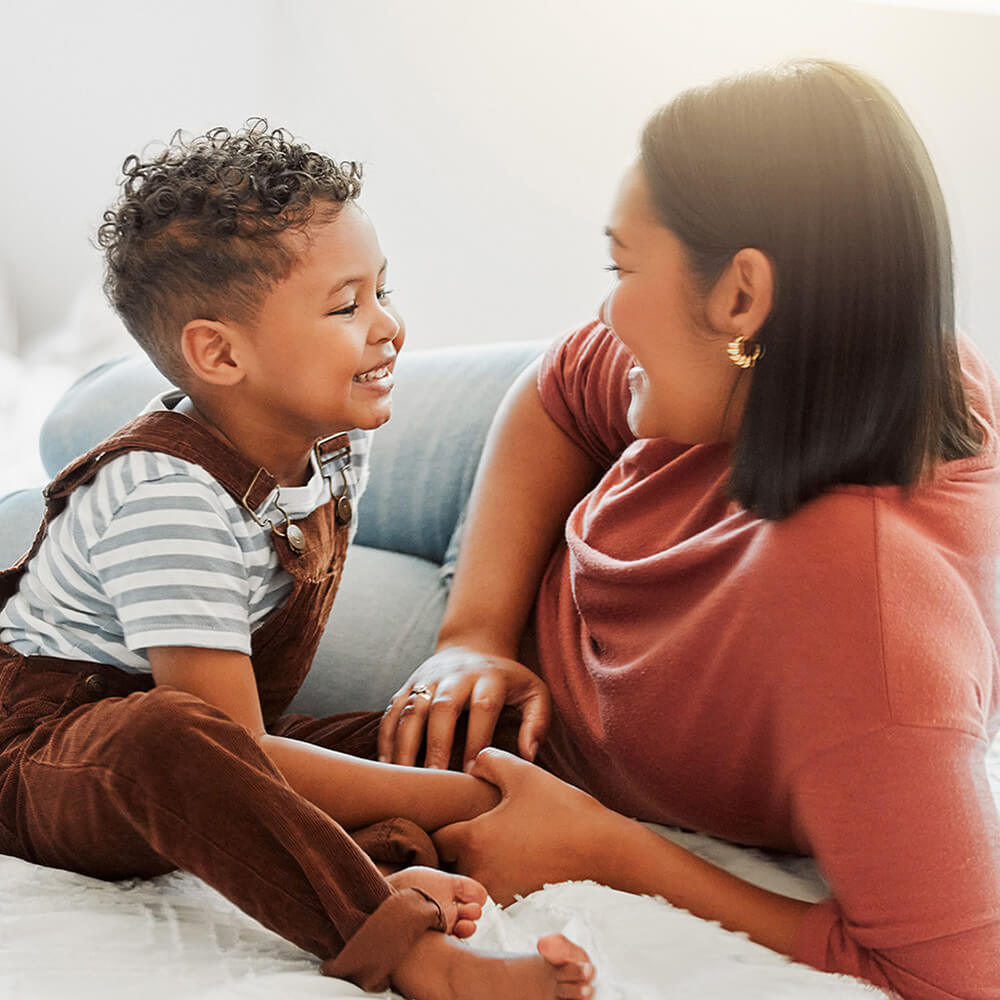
[
  {"x": 64, "y": 936},
  {"x": 68, "y": 936}
]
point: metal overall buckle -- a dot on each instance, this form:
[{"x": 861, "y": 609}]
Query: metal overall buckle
[
  {"x": 289, "y": 530},
  {"x": 292, "y": 533},
  {"x": 344, "y": 509}
]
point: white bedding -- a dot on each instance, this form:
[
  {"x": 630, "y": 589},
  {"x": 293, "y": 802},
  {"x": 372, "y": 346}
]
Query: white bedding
[{"x": 68, "y": 936}]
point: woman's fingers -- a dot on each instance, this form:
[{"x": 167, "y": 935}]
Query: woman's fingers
[
  {"x": 498, "y": 768},
  {"x": 411, "y": 724},
  {"x": 390, "y": 722},
  {"x": 448, "y": 703},
  {"x": 453, "y": 681},
  {"x": 488, "y": 697},
  {"x": 536, "y": 714}
]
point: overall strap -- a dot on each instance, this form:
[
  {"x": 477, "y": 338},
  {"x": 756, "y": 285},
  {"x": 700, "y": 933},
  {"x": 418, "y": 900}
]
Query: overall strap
[
  {"x": 172, "y": 434},
  {"x": 178, "y": 435}
]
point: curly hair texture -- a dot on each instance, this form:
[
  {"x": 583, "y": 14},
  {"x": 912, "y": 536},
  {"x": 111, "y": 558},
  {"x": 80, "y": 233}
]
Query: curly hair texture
[{"x": 198, "y": 230}]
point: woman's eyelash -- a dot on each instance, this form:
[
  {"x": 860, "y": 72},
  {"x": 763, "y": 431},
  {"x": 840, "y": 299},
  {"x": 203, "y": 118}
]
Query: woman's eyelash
[{"x": 383, "y": 293}]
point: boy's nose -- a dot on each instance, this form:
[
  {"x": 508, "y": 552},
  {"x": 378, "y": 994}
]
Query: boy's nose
[{"x": 386, "y": 326}]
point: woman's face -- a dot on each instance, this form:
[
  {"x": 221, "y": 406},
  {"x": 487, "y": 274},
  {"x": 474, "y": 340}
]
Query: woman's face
[{"x": 684, "y": 388}]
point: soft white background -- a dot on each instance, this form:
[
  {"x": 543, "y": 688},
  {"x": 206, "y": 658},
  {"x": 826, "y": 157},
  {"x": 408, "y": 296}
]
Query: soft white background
[{"x": 493, "y": 136}]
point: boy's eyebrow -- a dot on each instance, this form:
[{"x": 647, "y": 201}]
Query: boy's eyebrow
[
  {"x": 340, "y": 286},
  {"x": 611, "y": 234}
]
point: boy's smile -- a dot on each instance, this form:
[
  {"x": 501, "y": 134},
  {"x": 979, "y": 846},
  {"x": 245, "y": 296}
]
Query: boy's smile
[{"x": 377, "y": 378}]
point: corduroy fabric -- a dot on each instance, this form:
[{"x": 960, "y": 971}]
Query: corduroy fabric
[{"x": 105, "y": 774}]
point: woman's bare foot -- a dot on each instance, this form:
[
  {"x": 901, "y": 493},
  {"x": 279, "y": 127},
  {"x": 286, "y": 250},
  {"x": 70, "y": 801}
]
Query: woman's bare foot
[
  {"x": 439, "y": 968},
  {"x": 460, "y": 898}
]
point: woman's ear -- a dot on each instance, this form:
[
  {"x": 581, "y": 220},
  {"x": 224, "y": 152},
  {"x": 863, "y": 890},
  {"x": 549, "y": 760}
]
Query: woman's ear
[
  {"x": 212, "y": 351},
  {"x": 741, "y": 300}
]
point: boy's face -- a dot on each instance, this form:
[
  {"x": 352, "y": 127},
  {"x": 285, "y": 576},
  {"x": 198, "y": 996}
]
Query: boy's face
[{"x": 320, "y": 353}]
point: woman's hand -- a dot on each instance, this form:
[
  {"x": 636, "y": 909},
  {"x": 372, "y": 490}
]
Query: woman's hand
[
  {"x": 543, "y": 830},
  {"x": 450, "y": 682}
]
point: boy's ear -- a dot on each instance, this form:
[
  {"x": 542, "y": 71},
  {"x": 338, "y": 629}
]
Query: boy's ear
[
  {"x": 211, "y": 349},
  {"x": 741, "y": 300}
]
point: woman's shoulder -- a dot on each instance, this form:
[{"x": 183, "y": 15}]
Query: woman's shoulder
[
  {"x": 583, "y": 385},
  {"x": 900, "y": 590},
  {"x": 979, "y": 378}
]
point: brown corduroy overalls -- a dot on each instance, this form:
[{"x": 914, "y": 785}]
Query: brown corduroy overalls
[{"x": 105, "y": 774}]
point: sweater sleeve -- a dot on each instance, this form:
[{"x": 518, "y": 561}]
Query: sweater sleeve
[
  {"x": 583, "y": 386},
  {"x": 905, "y": 829}
]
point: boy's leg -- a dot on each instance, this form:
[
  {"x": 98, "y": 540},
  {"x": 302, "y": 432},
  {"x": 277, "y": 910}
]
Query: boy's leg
[{"x": 140, "y": 785}]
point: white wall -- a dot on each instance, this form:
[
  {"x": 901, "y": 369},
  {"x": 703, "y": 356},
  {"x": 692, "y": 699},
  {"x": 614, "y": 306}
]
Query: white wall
[{"x": 493, "y": 134}]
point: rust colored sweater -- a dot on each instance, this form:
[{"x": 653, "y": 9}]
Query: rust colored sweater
[{"x": 826, "y": 684}]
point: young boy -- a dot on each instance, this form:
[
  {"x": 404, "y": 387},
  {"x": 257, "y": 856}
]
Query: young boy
[{"x": 173, "y": 601}]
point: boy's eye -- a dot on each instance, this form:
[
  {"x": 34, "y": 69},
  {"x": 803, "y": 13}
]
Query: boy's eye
[
  {"x": 346, "y": 311},
  {"x": 612, "y": 267}
]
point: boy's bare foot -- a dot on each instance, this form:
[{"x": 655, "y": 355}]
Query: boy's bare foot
[
  {"x": 460, "y": 898},
  {"x": 439, "y": 968}
]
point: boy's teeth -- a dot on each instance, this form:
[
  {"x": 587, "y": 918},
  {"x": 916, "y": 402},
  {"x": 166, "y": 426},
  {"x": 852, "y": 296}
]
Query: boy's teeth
[{"x": 375, "y": 373}]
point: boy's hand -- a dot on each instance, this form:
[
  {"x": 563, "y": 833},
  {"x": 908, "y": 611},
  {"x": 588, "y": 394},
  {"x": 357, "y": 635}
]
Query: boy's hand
[{"x": 459, "y": 898}]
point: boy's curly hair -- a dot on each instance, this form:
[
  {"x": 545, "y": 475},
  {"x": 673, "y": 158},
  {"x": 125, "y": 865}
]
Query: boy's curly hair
[{"x": 197, "y": 231}]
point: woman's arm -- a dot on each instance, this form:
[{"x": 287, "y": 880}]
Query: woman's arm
[
  {"x": 906, "y": 830},
  {"x": 545, "y": 830},
  {"x": 530, "y": 477},
  {"x": 910, "y": 845},
  {"x": 353, "y": 791}
]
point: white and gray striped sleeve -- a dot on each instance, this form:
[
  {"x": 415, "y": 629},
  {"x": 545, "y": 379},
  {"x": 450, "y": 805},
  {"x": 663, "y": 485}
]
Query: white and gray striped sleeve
[
  {"x": 361, "y": 444},
  {"x": 170, "y": 561}
]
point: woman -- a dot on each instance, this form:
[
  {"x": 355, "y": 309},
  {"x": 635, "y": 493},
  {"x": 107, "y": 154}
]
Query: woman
[{"x": 731, "y": 552}]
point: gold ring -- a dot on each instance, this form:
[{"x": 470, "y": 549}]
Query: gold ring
[{"x": 421, "y": 691}]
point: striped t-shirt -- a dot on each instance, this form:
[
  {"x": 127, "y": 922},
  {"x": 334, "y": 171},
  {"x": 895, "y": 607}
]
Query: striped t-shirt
[{"x": 154, "y": 552}]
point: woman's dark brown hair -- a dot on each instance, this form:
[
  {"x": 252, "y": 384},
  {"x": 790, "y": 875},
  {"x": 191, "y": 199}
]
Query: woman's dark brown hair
[{"x": 818, "y": 166}]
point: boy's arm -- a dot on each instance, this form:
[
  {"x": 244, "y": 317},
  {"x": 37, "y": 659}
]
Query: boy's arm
[{"x": 353, "y": 791}]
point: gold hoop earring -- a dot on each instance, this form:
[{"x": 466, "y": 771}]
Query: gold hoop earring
[{"x": 744, "y": 353}]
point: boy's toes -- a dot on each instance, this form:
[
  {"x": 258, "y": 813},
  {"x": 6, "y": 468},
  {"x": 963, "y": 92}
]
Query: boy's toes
[
  {"x": 464, "y": 928},
  {"x": 466, "y": 915},
  {"x": 574, "y": 991},
  {"x": 468, "y": 890},
  {"x": 558, "y": 950},
  {"x": 469, "y": 911}
]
